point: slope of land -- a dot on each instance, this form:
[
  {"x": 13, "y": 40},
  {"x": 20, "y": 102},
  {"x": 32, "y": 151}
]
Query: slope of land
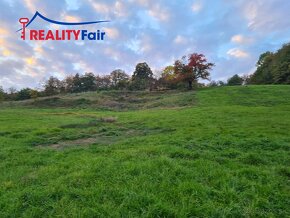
[
  {"x": 110, "y": 100},
  {"x": 211, "y": 153}
]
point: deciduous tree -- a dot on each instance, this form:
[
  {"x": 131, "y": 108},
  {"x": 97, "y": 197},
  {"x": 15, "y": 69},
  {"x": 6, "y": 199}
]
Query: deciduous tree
[
  {"x": 273, "y": 68},
  {"x": 142, "y": 77},
  {"x": 88, "y": 82},
  {"x": 191, "y": 68},
  {"x": 2, "y": 94},
  {"x": 24, "y": 94},
  {"x": 235, "y": 80},
  {"x": 52, "y": 86},
  {"x": 119, "y": 78},
  {"x": 168, "y": 77}
]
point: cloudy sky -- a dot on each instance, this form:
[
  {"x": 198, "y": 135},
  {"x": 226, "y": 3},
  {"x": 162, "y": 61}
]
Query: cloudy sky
[{"x": 231, "y": 33}]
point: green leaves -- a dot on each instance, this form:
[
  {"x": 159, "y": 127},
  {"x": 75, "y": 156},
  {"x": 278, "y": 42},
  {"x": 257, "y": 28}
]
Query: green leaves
[{"x": 273, "y": 68}]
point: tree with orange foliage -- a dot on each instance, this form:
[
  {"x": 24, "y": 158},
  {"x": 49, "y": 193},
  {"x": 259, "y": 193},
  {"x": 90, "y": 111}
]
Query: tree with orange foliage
[
  {"x": 168, "y": 77},
  {"x": 191, "y": 68}
]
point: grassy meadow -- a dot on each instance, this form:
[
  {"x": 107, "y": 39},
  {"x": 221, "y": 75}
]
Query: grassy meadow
[{"x": 215, "y": 152}]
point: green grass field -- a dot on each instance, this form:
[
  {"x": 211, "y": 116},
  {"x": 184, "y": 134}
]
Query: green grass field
[{"x": 216, "y": 152}]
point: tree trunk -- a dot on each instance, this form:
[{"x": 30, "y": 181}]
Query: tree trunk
[{"x": 189, "y": 85}]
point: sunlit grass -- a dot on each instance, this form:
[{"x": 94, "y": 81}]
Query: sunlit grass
[{"x": 217, "y": 152}]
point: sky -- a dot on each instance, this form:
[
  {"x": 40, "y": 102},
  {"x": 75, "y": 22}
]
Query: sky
[{"x": 230, "y": 33}]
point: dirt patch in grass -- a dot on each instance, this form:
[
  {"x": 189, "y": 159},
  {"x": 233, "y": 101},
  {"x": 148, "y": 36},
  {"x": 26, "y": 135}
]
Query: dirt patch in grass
[
  {"x": 108, "y": 119},
  {"x": 104, "y": 140},
  {"x": 104, "y": 136}
]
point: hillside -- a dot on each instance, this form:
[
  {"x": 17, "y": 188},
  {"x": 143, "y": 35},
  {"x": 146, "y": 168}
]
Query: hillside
[
  {"x": 135, "y": 100},
  {"x": 215, "y": 152},
  {"x": 110, "y": 100}
]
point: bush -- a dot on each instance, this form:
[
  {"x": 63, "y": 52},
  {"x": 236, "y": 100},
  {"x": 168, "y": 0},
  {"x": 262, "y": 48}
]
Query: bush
[{"x": 24, "y": 94}]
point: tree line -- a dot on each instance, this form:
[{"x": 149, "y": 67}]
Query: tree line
[
  {"x": 183, "y": 73},
  {"x": 272, "y": 68}
]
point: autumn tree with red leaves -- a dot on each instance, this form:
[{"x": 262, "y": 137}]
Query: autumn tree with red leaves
[{"x": 191, "y": 68}]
